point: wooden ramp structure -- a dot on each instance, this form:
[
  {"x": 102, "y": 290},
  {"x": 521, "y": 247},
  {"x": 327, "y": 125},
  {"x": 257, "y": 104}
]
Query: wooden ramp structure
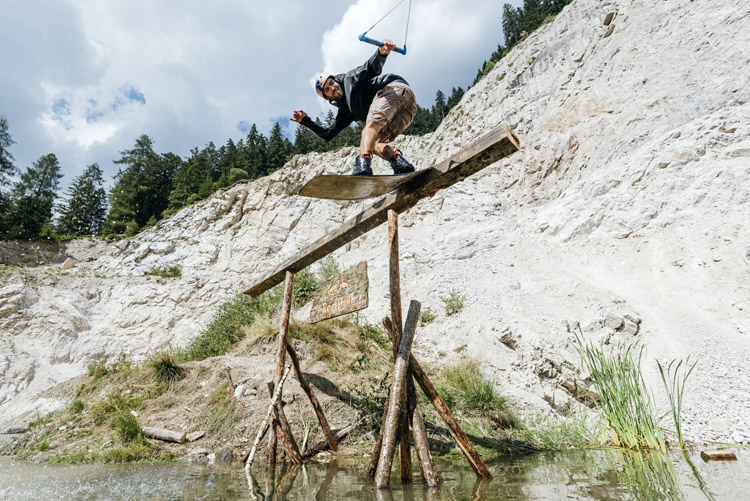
[
  {"x": 402, "y": 410},
  {"x": 488, "y": 149}
]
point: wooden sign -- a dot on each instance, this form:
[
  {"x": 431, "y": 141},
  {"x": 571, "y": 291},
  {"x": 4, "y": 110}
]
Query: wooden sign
[{"x": 341, "y": 295}]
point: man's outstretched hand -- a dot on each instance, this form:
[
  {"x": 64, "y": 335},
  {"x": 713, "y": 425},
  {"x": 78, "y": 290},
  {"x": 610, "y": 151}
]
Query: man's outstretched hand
[
  {"x": 387, "y": 47},
  {"x": 298, "y": 115}
]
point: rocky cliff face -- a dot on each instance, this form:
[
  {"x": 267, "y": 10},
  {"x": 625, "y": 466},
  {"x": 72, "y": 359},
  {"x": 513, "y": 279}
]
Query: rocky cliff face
[{"x": 625, "y": 214}]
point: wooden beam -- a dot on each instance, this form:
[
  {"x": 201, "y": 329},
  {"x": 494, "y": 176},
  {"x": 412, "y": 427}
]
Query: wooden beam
[{"x": 488, "y": 149}]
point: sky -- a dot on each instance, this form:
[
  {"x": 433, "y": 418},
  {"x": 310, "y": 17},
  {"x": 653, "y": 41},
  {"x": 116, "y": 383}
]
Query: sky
[{"x": 83, "y": 79}]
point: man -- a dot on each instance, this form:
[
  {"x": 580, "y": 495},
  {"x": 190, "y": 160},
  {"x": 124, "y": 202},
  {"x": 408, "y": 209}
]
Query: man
[{"x": 384, "y": 102}]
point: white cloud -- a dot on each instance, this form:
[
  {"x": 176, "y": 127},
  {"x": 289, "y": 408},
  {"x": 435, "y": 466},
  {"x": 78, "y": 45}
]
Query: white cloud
[{"x": 83, "y": 79}]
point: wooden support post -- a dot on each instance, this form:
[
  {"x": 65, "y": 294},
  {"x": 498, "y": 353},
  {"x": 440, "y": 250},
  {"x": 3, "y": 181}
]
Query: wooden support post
[
  {"x": 421, "y": 444},
  {"x": 395, "y": 293},
  {"x": 267, "y": 421},
  {"x": 398, "y": 389},
  {"x": 280, "y": 416},
  {"x": 457, "y": 433},
  {"x": 313, "y": 400},
  {"x": 286, "y": 309},
  {"x": 285, "y": 485}
]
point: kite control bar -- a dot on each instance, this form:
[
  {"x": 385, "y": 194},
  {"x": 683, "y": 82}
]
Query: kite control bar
[{"x": 363, "y": 38}]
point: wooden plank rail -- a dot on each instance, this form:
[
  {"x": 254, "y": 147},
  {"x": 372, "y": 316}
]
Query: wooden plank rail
[{"x": 493, "y": 146}]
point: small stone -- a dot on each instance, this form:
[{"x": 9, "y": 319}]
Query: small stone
[
  {"x": 630, "y": 327},
  {"x": 68, "y": 264},
  {"x": 719, "y": 424},
  {"x": 516, "y": 286},
  {"x": 225, "y": 456},
  {"x": 196, "y": 435},
  {"x": 239, "y": 392},
  {"x": 632, "y": 317},
  {"x": 106, "y": 444},
  {"x": 48, "y": 282},
  {"x": 14, "y": 430},
  {"x": 613, "y": 321}
]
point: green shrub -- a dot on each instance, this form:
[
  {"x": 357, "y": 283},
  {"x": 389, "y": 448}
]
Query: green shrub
[
  {"x": 225, "y": 329},
  {"x": 77, "y": 406},
  {"x": 127, "y": 427},
  {"x": 165, "y": 271},
  {"x": 368, "y": 331},
  {"x": 100, "y": 365},
  {"x": 426, "y": 316},
  {"x": 329, "y": 268},
  {"x": 114, "y": 406},
  {"x": 305, "y": 284},
  {"x": 454, "y": 302},
  {"x": 370, "y": 400}
]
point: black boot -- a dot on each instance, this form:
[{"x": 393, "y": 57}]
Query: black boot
[
  {"x": 399, "y": 164},
  {"x": 362, "y": 166}
]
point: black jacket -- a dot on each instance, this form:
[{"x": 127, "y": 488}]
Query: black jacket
[{"x": 360, "y": 86}]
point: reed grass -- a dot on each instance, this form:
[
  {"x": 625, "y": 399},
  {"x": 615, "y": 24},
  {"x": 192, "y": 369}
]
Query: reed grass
[
  {"x": 625, "y": 403},
  {"x": 675, "y": 383}
]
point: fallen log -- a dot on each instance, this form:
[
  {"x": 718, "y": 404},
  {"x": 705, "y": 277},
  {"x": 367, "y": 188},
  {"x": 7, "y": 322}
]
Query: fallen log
[
  {"x": 163, "y": 434},
  {"x": 339, "y": 435}
]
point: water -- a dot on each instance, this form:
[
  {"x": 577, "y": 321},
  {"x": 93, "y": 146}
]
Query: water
[{"x": 604, "y": 474}]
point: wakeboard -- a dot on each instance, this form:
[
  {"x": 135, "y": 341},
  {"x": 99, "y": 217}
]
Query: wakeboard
[{"x": 333, "y": 187}]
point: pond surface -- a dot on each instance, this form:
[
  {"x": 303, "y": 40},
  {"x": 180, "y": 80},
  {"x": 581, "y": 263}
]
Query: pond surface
[{"x": 597, "y": 474}]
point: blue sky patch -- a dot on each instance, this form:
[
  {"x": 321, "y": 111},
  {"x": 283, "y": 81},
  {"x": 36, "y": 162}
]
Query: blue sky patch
[
  {"x": 133, "y": 95},
  {"x": 61, "y": 106},
  {"x": 244, "y": 126}
]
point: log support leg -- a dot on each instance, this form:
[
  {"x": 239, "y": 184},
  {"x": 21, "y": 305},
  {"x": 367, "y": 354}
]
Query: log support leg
[{"x": 398, "y": 390}]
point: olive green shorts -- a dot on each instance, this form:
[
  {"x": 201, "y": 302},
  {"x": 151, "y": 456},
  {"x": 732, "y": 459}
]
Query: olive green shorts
[{"x": 393, "y": 108}]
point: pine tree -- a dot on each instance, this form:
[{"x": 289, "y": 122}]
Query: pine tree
[
  {"x": 191, "y": 175},
  {"x": 456, "y": 95},
  {"x": 511, "y": 24},
  {"x": 86, "y": 206},
  {"x": 142, "y": 188},
  {"x": 7, "y": 168},
  {"x": 439, "y": 109},
  {"x": 255, "y": 153},
  {"x": 278, "y": 151},
  {"x": 33, "y": 197}
]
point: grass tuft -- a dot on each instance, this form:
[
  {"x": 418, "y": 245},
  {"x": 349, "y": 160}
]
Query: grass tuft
[
  {"x": 164, "y": 367},
  {"x": 465, "y": 388},
  {"x": 675, "y": 390}
]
